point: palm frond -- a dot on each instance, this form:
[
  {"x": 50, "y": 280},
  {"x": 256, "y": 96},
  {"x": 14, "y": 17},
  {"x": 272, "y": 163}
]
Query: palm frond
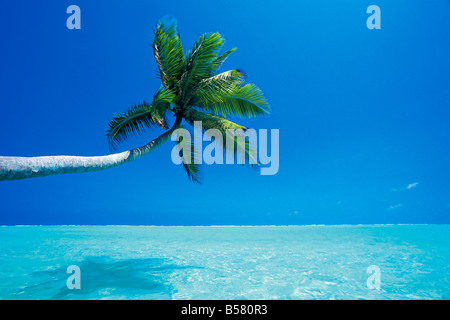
[
  {"x": 193, "y": 172},
  {"x": 168, "y": 52},
  {"x": 219, "y": 85},
  {"x": 222, "y": 82},
  {"x": 217, "y": 63},
  {"x": 237, "y": 100},
  {"x": 211, "y": 121},
  {"x": 197, "y": 65},
  {"x": 188, "y": 159},
  {"x": 161, "y": 103},
  {"x": 133, "y": 122},
  {"x": 229, "y": 130}
]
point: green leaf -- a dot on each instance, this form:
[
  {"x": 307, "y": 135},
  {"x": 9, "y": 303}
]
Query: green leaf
[
  {"x": 134, "y": 121},
  {"x": 211, "y": 121},
  {"x": 161, "y": 103},
  {"x": 197, "y": 65},
  {"x": 168, "y": 52},
  {"x": 192, "y": 169},
  {"x": 237, "y": 100},
  {"x": 217, "y": 63}
]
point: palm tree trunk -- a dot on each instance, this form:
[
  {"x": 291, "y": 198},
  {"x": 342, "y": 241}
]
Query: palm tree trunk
[{"x": 15, "y": 168}]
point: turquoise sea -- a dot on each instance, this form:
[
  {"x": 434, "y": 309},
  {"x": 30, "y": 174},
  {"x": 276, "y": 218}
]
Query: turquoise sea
[{"x": 280, "y": 262}]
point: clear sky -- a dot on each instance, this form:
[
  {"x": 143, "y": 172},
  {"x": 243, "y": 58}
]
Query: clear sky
[{"x": 363, "y": 114}]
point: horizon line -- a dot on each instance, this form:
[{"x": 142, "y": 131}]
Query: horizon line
[{"x": 225, "y": 225}]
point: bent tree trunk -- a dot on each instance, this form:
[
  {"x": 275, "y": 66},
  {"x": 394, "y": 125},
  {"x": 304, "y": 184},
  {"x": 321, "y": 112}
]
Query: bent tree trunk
[{"x": 16, "y": 168}]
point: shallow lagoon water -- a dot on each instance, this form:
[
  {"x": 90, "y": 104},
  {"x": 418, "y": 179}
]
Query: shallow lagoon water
[{"x": 282, "y": 262}]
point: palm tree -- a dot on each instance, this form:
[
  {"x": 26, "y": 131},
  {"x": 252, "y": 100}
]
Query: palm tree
[{"x": 192, "y": 90}]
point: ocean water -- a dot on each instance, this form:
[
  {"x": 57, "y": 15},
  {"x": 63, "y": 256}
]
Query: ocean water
[{"x": 291, "y": 262}]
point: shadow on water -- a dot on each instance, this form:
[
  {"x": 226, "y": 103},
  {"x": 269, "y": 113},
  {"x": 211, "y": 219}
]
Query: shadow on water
[{"x": 103, "y": 277}]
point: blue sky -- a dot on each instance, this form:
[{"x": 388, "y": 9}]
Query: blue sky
[{"x": 363, "y": 114}]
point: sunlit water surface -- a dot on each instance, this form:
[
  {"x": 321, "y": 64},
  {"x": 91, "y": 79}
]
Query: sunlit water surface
[{"x": 295, "y": 262}]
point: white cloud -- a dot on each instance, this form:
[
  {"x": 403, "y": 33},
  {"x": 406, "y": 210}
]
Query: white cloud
[
  {"x": 395, "y": 206},
  {"x": 408, "y": 187},
  {"x": 412, "y": 185}
]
